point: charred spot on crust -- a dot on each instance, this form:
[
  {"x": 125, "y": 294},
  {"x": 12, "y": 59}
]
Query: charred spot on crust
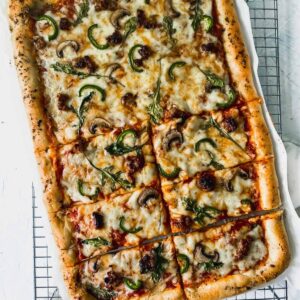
[
  {"x": 62, "y": 101},
  {"x": 206, "y": 181}
]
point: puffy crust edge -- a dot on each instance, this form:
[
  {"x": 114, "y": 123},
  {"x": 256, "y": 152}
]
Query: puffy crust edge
[
  {"x": 268, "y": 185},
  {"x": 277, "y": 261},
  {"x": 28, "y": 72},
  {"x": 236, "y": 53},
  {"x": 260, "y": 134}
]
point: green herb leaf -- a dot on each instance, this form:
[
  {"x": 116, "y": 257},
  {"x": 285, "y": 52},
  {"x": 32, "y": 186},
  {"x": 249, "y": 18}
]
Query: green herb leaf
[
  {"x": 70, "y": 70},
  {"x": 135, "y": 286},
  {"x": 170, "y": 30},
  {"x": 154, "y": 109},
  {"x": 200, "y": 212},
  {"x": 161, "y": 263},
  {"x": 185, "y": 262},
  {"x": 100, "y": 293},
  {"x": 210, "y": 265},
  {"x": 213, "y": 162},
  {"x": 83, "y": 12},
  {"x": 224, "y": 133},
  {"x": 130, "y": 27},
  {"x": 96, "y": 242},
  {"x": 197, "y": 15}
]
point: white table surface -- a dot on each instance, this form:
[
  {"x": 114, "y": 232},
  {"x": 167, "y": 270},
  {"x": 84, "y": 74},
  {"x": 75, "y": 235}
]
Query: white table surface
[{"x": 17, "y": 164}]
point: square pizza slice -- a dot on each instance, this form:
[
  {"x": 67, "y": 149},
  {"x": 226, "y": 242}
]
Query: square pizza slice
[
  {"x": 212, "y": 196},
  {"x": 116, "y": 162},
  {"x": 147, "y": 272},
  {"x": 126, "y": 220},
  {"x": 230, "y": 259},
  {"x": 222, "y": 139}
]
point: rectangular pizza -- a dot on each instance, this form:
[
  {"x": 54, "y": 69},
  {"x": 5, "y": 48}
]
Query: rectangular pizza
[{"x": 157, "y": 166}]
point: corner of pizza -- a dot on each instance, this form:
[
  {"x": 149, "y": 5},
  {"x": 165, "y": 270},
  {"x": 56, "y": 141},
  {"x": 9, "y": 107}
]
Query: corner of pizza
[{"x": 156, "y": 162}]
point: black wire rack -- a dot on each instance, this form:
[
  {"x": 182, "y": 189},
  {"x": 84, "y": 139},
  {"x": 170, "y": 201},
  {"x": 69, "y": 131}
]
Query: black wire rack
[{"x": 264, "y": 20}]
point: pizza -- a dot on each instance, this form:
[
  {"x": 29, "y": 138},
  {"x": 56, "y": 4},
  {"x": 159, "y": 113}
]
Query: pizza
[{"x": 156, "y": 162}]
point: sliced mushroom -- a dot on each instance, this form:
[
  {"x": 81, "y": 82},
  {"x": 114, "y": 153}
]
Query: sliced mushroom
[
  {"x": 243, "y": 174},
  {"x": 172, "y": 136},
  {"x": 99, "y": 125},
  {"x": 201, "y": 255},
  {"x": 69, "y": 43},
  {"x": 117, "y": 15},
  {"x": 111, "y": 69},
  {"x": 171, "y": 8},
  {"x": 146, "y": 195},
  {"x": 228, "y": 185}
]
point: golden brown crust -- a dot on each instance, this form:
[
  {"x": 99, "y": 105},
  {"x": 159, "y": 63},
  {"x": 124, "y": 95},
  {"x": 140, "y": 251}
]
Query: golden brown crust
[
  {"x": 25, "y": 61},
  {"x": 236, "y": 53},
  {"x": 52, "y": 194},
  {"x": 268, "y": 185},
  {"x": 260, "y": 134},
  {"x": 277, "y": 261}
]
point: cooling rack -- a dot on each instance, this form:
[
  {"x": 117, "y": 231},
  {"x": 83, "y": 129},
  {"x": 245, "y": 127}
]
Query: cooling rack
[{"x": 264, "y": 20}]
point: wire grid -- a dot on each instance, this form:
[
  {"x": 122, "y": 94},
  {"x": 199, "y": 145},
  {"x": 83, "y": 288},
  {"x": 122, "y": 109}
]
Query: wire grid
[{"x": 264, "y": 20}]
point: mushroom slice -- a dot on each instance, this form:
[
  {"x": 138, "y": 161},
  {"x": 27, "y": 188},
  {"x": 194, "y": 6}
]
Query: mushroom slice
[
  {"x": 99, "y": 125},
  {"x": 117, "y": 15},
  {"x": 172, "y": 136},
  {"x": 201, "y": 255},
  {"x": 171, "y": 8},
  {"x": 61, "y": 47},
  {"x": 146, "y": 195}
]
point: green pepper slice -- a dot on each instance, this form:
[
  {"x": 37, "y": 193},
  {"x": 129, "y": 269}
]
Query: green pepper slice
[
  {"x": 135, "y": 286},
  {"x": 96, "y": 242},
  {"x": 93, "y": 40},
  {"x": 171, "y": 175},
  {"x": 207, "y": 23},
  {"x": 131, "y": 53},
  {"x": 214, "y": 80},
  {"x": 121, "y": 137},
  {"x": 177, "y": 64},
  {"x": 80, "y": 186},
  {"x": 54, "y": 25},
  {"x": 185, "y": 262},
  {"x": 213, "y": 163},
  {"x": 93, "y": 87},
  {"x": 231, "y": 97},
  {"x": 128, "y": 230},
  {"x": 205, "y": 140}
]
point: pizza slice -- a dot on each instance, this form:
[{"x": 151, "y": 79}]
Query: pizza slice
[
  {"x": 147, "y": 272},
  {"x": 230, "y": 259},
  {"x": 84, "y": 231},
  {"x": 116, "y": 162},
  {"x": 212, "y": 196},
  {"x": 222, "y": 139}
]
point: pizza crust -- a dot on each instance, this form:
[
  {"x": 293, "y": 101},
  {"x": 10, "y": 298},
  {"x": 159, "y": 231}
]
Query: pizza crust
[
  {"x": 260, "y": 134},
  {"x": 277, "y": 261},
  {"x": 235, "y": 50},
  {"x": 27, "y": 68}
]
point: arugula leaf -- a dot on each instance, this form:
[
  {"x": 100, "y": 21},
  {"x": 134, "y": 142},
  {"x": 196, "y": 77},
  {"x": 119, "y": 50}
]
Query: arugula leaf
[
  {"x": 70, "y": 70},
  {"x": 200, "y": 212},
  {"x": 114, "y": 178},
  {"x": 83, "y": 12},
  {"x": 96, "y": 242},
  {"x": 160, "y": 265},
  {"x": 197, "y": 15},
  {"x": 210, "y": 265},
  {"x": 224, "y": 133},
  {"x": 100, "y": 293},
  {"x": 168, "y": 26},
  {"x": 154, "y": 109}
]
